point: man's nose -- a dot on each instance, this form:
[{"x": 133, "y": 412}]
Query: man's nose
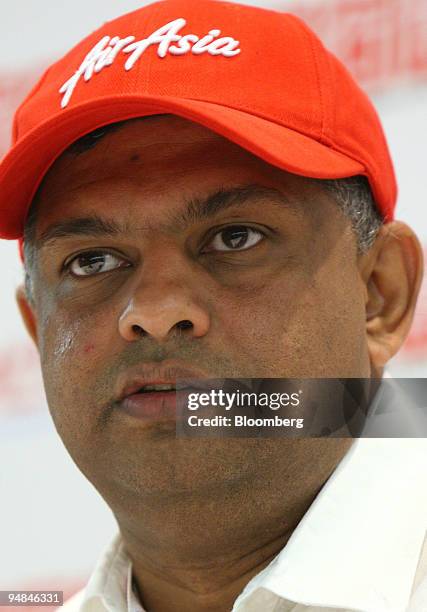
[{"x": 164, "y": 304}]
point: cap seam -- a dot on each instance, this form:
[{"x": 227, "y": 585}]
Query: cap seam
[
  {"x": 311, "y": 38},
  {"x": 333, "y": 87},
  {"x": 143, "y": 73},
  {"x": 322, "y": 105}
]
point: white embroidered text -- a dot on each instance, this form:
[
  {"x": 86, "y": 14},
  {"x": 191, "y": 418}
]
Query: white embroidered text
[{"x": 168, "y": 39}]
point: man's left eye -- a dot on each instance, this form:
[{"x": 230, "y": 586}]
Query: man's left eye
[
  {"x": 235, "y": 238},
  {"x": 94, "y": 262}
]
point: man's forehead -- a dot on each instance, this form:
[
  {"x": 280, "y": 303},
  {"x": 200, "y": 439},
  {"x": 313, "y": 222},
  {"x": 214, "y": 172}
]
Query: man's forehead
[
  {"x": 154, "y": 142},
  {"x": 146, "y": 131},
  {"x": 166, "y": 151}
]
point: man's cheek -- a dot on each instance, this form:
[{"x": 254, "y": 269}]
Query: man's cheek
[
  {"x": 69, "y": 351},
  {"x": 275, "y": 327},
  {"x": 254, "y": 332},
  {"x": 64, "y": 339},
  {"x": 70, "y": 331}
]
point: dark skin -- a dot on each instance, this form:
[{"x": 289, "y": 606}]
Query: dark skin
[{"x": 200, "y": 518}]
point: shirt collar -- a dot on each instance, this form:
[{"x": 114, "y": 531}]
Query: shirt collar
[
  {"x": 358, "y": 546},
  {"x": 108, "y": 587}
]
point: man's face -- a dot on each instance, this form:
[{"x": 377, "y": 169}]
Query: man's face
[{"x": 259, "y": 264}]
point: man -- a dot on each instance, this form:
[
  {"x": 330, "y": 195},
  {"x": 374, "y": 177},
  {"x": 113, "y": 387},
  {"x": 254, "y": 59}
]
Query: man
[{"x": 201, "y": 190}]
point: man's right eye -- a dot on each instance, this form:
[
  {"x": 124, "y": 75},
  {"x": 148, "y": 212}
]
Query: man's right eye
[{"x": 95, "y": 262}]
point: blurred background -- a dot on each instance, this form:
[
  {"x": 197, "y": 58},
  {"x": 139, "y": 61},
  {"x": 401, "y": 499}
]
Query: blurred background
[{"x": 53, "y": 524}]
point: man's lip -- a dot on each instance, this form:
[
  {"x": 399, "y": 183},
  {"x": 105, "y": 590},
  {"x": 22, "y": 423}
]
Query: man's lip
[
  {"x": 151, "y": 406},
  {"x": 154, "y": 374}
]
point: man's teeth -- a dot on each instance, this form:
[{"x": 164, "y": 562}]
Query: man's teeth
[{"x": 158, "y": 388}]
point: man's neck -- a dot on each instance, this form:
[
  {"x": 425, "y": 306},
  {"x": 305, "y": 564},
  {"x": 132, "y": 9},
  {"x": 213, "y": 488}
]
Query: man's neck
[
  {"x": 199, "y": 557},
  {"x": 213, "y": 587}
]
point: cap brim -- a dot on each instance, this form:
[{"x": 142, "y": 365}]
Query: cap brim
[{"x": 23, "y": 168}]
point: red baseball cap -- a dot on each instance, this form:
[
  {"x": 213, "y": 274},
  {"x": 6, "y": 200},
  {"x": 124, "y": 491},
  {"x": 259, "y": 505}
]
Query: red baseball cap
[{"x": 260, "y": 78}]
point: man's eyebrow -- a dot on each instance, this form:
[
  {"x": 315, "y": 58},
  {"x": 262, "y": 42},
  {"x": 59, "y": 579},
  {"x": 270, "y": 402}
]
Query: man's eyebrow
[
  {"x": 200, "y": 209},
  {"x": 93, "y": 225},
  {"x": 196, "y": 210}
]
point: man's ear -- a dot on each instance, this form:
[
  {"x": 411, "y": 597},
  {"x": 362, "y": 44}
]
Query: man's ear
[
  {"x": 392, "y": 271},
  {"x": 27, "y": 313}
]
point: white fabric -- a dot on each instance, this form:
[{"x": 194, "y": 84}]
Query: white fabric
[{"x": 358, "y": 548}]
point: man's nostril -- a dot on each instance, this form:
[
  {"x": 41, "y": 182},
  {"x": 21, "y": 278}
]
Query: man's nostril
[
  {"x": 138, "y": 330},
  {"x": 184, "y": 325}
]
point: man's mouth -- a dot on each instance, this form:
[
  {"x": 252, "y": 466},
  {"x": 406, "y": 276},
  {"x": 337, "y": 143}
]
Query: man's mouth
[
  {"x": 149, "y": 393},
  {"x": 150, "y": 403},
  {"x": 157, "y": 388}
]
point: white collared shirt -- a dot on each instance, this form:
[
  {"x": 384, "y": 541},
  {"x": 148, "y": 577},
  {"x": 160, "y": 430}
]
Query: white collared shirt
[{"x": 361, "y": 546}]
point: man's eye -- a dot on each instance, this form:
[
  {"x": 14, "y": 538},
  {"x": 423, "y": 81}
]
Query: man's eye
[
  {"x": 95, "y": 262},
  {"x": 235, "y": 238}
]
